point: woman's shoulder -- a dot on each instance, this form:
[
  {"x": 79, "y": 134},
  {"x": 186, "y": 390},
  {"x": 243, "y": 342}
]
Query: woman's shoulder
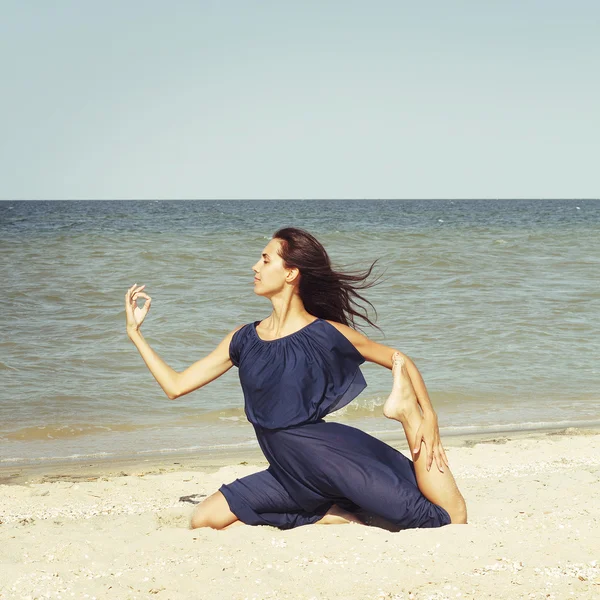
[
  {"x": 241, "y": 330},
  {"x": 345, "y": 338},
  {"x": 233, "y": 332},
  {"x": 353, "y": 336},
  {"x": 237, "y": 340}
]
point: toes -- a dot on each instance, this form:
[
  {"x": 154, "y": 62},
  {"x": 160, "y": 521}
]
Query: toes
[{"x": 397, "y": 361}]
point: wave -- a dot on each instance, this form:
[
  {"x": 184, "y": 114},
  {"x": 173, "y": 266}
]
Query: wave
[
  {"x": 74, "y": 457},
  {"x": 115, "y": 455},
  {"x": 516, "y": 427},
  {"x": 72, "y": 430}
]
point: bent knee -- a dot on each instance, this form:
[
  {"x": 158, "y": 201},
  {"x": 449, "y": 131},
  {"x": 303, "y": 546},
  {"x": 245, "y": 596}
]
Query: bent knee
[
  {"x": 199, "y": 520},
  {"x": 213, "y": 512},
  {"x": 203, "y": 518}
]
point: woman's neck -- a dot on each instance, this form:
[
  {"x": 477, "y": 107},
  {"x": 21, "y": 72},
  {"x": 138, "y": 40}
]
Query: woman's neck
[{"x": 288, "y": 316}]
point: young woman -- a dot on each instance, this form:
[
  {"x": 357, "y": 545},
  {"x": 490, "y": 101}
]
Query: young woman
[{"x": 296, "y": 366}]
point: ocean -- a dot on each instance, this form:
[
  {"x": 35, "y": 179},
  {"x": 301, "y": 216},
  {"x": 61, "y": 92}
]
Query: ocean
[{"x": 497, "y": 302}]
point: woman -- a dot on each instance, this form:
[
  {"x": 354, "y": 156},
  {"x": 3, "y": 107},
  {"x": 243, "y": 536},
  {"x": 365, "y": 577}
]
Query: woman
[{"x": 296, "y": 366}]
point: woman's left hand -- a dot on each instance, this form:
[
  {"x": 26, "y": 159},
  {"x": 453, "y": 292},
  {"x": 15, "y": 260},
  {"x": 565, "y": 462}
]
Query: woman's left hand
[{"x": 429, "y": 433}]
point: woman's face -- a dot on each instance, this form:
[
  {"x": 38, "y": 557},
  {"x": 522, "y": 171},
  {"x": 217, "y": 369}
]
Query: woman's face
[{"x": 270, "y": 272}]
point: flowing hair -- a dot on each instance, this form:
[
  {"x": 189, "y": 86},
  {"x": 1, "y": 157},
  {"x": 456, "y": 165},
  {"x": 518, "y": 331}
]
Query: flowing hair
[{"x": 325, "y": 293}]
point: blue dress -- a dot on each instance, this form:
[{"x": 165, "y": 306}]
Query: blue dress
[{"x": 289, "y": 385}]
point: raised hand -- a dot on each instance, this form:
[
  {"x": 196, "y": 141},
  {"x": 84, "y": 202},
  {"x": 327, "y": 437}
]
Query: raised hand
[{"x": 135, "y": 315}]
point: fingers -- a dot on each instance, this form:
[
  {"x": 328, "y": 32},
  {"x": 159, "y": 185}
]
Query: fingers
[
  {"x": 438, "y": 461},
  {"x": 444, "y": 457},
  {"x": 417, "y": 444},
  {"x": 134, "y": 288},
  {"x": 140, "y": 295},
  {"x": 429, "y": 457},
  {"x": 420, "y": 438},
  {"x": 132, "y": 291},
  {"x": 429, "y": 447},
  {"x": 441, "y": 460},
  {"x": 146, "y": 307},
  {"x": 128, "y": 308}
]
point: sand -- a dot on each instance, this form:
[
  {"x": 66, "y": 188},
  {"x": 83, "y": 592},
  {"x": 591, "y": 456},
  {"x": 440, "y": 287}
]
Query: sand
[{"x": 119, "y": 530}]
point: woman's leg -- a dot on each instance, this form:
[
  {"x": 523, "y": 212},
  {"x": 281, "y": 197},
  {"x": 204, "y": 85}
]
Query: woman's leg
[
  {"x": 259, "y": 499},
  {"x": 213, "y": 512},
  {"x": 439, "y": 488}
]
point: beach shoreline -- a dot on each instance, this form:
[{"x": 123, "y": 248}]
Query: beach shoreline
[{"x": 211, "y": 460}]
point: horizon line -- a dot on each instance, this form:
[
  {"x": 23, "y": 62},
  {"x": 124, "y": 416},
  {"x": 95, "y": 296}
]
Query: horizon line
[{"x": 385, "y": 199}]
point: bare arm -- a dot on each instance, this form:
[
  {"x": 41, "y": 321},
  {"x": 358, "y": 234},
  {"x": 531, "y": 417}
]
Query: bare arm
[
  {"x": 173, "y": 383},
  {"x": 176, "y": 384}
]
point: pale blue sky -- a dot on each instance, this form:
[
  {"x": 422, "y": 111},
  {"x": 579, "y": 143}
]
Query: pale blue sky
[{"x": 299, "y": 99}]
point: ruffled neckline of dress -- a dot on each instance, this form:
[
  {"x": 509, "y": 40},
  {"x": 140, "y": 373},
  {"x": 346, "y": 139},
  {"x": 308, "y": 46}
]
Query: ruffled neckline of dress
[{"x": 285, "y": 337}]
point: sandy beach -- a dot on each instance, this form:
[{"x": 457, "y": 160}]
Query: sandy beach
[{"x": 120, "y": 530}]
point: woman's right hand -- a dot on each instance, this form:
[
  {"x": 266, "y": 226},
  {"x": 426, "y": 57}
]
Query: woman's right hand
[{"x": 135, "y": 315}]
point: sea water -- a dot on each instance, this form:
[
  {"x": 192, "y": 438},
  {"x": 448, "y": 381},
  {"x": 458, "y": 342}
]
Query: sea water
[{"x": 497, "y": 302}]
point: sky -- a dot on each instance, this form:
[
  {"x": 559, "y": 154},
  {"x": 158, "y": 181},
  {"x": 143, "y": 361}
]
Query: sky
[{"x": 279, "y": 99}]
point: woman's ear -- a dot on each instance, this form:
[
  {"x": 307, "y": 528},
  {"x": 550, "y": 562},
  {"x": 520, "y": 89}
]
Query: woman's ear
[{"x": 292, "y": 275}]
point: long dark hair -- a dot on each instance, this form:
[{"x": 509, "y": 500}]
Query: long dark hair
[{"x": 325, "y": 293}]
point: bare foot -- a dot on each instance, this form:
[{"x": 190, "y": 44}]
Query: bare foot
[
  {"x": 402, "y": 402},
  {"x": 337, "y": 516}
]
